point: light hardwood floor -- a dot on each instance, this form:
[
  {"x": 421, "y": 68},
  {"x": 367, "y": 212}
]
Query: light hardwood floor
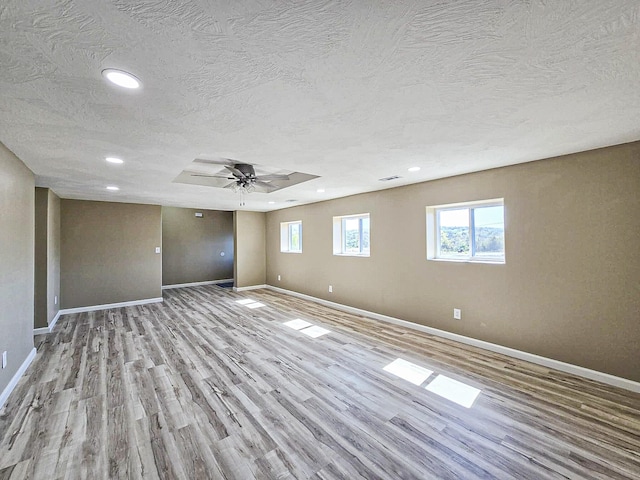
[{"x": 203, "y": 387}]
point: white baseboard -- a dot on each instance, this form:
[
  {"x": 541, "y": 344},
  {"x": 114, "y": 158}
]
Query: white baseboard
[
  {"x": 251, "y": 287},
  {"x": 197, "y": 284},
  {"x": 511, "y": 352},
  {"x": 106, "y": 306},
  {"x": 4, "y": 396},
  {"x": 54, "y": 321},
  {"x": 49, "y": 329}
]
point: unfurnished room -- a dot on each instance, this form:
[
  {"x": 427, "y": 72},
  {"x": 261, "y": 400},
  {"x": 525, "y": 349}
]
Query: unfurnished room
[{"x": 290, "y": 239}]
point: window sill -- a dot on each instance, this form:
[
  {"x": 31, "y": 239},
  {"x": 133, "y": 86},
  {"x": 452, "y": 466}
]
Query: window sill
[
  {"x": 290, "y": 251},
  {"x": 366, "y": 255},
  {"x": 468, "y": 260}
]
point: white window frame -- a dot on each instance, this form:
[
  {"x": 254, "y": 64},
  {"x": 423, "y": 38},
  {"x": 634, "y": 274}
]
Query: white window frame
[
  {"x": 433, "y": 232},
  {"x": 285, "y": 237},
  {"x": 339, "y": 237}
]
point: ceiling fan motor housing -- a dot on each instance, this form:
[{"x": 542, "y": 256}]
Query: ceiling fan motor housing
[{"x": 246, "y": 169}]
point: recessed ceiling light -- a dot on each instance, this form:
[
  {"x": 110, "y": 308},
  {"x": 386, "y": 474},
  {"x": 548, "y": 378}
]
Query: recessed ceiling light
[
  {"x": 121, "y": 78},
  {"x": 320, "y": 190},
  {"x": 414, "y": 169},
  {"x": 113, "y": 188},
  {"x": 271, "y": 203},
  {"x": 114, "y": 160}
]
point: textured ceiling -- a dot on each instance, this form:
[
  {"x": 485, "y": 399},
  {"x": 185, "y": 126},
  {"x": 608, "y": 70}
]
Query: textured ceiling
[{"x": 352, "y": 91}]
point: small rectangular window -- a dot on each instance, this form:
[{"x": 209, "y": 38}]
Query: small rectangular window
[
  {"x": 291, "y": 237},
  {"x": 351, "y": 235},
  {"x": 472, "y": 231}
]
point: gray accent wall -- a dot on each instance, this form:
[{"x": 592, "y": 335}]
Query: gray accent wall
[
  {"x": 250, "y": 244},
  {"x": 107, "y": 252},
  {"x": 17, "y": 225},
  {"x": 570, "y": 287},
  {"x": 196, "y": 249}
]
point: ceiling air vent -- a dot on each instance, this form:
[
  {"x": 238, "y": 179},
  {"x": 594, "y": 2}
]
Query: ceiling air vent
[{"x": 387, "y": 179}]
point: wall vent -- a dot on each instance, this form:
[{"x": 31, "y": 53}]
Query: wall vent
[{"x": 386, "y": 179}]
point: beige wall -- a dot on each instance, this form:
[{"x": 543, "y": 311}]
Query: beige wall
[
  {"x": 17, "y": 225},
  {"x": 53, "y": 256},
  {"x": 191, "y": 246},
  {"x": 47, "y": 256},
  {"x": 107, "y": 252},
  {"x": 570, "y": 288},
  {"x": 249, "y": 241},
  {"x": 40, "y": 284}
]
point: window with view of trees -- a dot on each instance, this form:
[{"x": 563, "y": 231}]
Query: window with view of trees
[
  {"x": 351, "y": 235},
  {"x": 470, "y": 231},
  {"x": 291, "y": 237}
]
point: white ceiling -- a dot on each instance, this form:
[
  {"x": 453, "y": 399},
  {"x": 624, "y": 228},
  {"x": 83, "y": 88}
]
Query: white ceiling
[{"x": 352, "y": 91}]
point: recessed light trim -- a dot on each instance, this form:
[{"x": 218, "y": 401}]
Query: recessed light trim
[
  {"x": 113, "y": 188},
  {"x": 116, "y": 160},
  {"x": 121, "y": 78},
  {"x": 271, "y": 202},
  {"x": 414, "y": 169},
  {"x": 320, "y": 190}
]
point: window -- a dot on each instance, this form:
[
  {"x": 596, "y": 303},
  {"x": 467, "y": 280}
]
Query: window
[
  {"x": 472, "y": 231},
  {"x": 291, "y": 237},
  {"x": 351, "y": 235}
]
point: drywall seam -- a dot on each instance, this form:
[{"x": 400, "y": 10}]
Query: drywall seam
[
  {"x": 197, "y": 284},
  {"x": 511, "y": 352},
  {"x": 93, "y": 308},
  {"x": 4, "y": 396}
]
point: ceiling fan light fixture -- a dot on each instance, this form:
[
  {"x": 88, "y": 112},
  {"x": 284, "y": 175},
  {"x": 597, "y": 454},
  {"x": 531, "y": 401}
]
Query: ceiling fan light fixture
[{"x": 121, "y": 78}]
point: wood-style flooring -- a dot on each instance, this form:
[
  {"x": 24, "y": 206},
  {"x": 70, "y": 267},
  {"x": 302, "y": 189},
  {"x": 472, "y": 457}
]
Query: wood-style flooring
[{"x": 201, "y": 387}]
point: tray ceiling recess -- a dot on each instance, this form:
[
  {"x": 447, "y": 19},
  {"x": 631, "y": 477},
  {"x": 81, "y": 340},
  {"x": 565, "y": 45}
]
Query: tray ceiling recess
[{"x": 239, "y": 176}]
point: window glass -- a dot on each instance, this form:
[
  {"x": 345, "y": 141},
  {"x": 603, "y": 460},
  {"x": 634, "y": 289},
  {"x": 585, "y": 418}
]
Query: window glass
[
  {"x": 454, "y": 232},
  {"x": 489, "y": 231}
]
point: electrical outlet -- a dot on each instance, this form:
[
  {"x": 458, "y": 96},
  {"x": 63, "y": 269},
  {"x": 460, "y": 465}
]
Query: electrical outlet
[
  {"x": 4, "y": 359},
  {"x": 457, "y": 313},
  {"x": 157, "y": 249},
  {"x": 55, "y": 299},
  {"x": 279, "y": 278},
  {"x": 330, "y": 288}
]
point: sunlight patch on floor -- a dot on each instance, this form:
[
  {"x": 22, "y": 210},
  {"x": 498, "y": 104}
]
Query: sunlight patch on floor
[
  {"x": 245, "y": 301},
  {"x": 315, "y": 331},
  {"x": 408, "y": 371},
  {"x": 453, "y": 390},
  {"x": 297, "y": 324}
]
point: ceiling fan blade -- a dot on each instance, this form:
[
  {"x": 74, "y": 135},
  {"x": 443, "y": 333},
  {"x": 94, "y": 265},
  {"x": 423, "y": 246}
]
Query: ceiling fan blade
[
  {"x": 230, "y": 185},
  {"x": 263, "y": 184},
  {"x": 211, "y": 176},
  {"x": 220, "y": 161},
  {"x": 273, "y": 177},
  {"x": 235, "y": 171}
]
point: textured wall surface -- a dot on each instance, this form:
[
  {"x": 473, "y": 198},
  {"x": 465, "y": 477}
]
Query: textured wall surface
[
  {"x": 570, "y": 287},
  {"x": 352, "y": 91},
  {"x": 192, "y": 246},
  {"x": 107, "y": 252},
  {"x": 17, "y": 225}
]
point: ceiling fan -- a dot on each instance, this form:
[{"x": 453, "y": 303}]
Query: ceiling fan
[{"x": 244, "y": 177}]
